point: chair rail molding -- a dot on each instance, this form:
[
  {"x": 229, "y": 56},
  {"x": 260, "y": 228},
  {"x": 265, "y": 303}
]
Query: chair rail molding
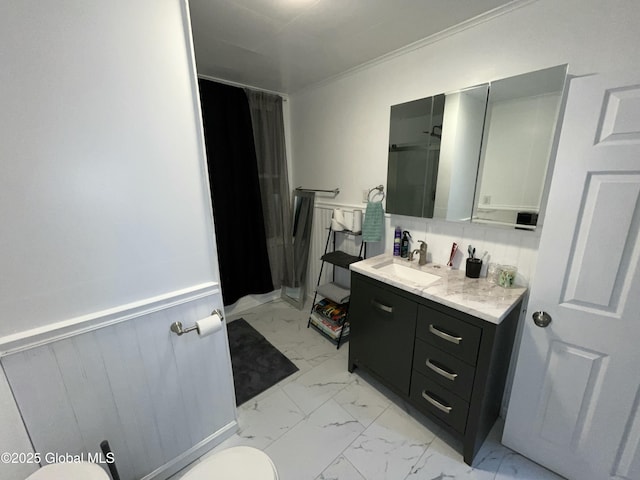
[{"x": 53, "y": 332}]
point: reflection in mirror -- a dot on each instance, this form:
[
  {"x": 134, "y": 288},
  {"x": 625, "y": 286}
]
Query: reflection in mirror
[
  {"x": 434, "y": 146},
  {"x": 520, "y": 127},
  {"x": 303, "y": 203},
  {"x": 459, "y": 154},
  {"x": 414, "y": 151}
]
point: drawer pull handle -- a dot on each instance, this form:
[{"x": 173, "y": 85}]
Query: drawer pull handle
[
  {"x": 382, "y": 307},
  {"x": 443, "y": 335},
  {"x": 441, "y": 371},
  {"x": 436, "y": 403}
]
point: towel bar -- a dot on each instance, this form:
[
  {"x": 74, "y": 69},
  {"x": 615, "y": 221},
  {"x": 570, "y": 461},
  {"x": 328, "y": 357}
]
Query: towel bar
[{"x": 335, "y": 191}]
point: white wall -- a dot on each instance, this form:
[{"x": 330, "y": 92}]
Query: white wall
[
  {"x": 103, "y": 199},
  {"x": 340, "y": 128}
]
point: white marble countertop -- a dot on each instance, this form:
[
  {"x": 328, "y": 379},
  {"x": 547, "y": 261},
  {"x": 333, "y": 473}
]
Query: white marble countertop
[{"x": 475, "y": 296}]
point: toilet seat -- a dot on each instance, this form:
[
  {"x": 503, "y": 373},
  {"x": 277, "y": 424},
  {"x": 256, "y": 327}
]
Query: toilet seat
[
  {"x": 235, "y": 463},
  {"x": 69, "y": 471}
]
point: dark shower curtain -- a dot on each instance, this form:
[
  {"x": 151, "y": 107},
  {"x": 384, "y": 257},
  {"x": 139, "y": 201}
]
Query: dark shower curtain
[
  {"x": 268, "y": 133},
  {"x": 235, "y": 192}
]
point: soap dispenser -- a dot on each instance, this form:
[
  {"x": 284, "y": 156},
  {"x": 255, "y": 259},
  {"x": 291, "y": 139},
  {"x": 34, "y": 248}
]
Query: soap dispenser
[{"x": 404, "y": 248}]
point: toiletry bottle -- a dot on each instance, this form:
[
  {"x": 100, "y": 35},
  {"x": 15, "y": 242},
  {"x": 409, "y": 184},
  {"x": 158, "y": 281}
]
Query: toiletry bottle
[
  {"x": 396, "y": 242},
  {"x": 404, "y": 248}
]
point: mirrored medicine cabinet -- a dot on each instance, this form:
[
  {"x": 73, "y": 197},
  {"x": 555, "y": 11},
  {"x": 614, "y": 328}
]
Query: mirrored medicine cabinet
[{"x": 479, "y": 154}]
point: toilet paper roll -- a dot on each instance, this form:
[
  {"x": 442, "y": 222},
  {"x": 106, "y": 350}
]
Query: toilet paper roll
[
  {"x": 209, "y": 325},
  {"x": 336, "y": 226},
  {"x": 357, "y": 221},
  {"x": 338, "y": 216},
  {"x": 337, "y": 221}
]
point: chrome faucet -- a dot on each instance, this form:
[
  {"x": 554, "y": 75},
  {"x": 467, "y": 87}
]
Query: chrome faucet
[{"x": 422, "y": 260}]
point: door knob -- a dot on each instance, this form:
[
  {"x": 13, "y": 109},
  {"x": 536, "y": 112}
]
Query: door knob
[{"x": 541, "y": 319}]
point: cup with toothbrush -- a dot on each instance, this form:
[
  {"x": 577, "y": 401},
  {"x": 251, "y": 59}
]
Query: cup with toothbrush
[{"x": 474, "y": 265}]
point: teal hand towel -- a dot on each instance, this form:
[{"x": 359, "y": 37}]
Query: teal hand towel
[{"x": 373, "y": 224}]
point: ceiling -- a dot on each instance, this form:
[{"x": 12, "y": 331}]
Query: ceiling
[{"x": 287, "y": 45}]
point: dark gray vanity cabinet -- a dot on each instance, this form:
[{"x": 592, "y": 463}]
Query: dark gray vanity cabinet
[{"x": 449, "y": 365}]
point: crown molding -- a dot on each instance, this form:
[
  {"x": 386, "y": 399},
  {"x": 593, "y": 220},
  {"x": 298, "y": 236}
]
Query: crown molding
[{"x": 417, "y": 45}]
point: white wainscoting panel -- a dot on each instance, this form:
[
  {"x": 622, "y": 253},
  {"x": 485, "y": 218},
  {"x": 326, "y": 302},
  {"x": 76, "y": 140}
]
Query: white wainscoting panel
[
  {"x": 154, "y": 396},
  {"x": 13, "y": 436}
]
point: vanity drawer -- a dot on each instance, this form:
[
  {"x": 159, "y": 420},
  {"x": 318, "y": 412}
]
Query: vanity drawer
[
  {"x": 449, "y": 334},
  {"x": 435, "y": 400},
  {"x": 444, "y": 369}
]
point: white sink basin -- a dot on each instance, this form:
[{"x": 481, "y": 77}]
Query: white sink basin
[{"x": 406, "y": 273}]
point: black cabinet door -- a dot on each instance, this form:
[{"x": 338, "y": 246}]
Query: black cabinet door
[{"x": 382, "y": 332}]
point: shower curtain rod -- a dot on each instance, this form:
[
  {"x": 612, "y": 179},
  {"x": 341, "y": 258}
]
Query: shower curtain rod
[
  {"x": 335, "y": 191},
  {"x": 284, "y": 96}
]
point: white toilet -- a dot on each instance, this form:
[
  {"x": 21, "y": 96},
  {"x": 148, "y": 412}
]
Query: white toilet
[
  {"x": 69, "y": 471},
  {"x": 235, "y": 463}
]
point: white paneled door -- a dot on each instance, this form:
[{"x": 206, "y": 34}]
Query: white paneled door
[{"x": 575, "y": 403}]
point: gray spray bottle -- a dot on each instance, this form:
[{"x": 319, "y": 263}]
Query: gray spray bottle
[{"x": 404, "y": 248}]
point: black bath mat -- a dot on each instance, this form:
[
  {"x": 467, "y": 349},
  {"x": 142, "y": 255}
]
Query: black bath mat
[{"x": 257, "y": 365}]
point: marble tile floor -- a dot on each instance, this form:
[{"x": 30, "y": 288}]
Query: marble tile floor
[{"x": 325, "y": 423}]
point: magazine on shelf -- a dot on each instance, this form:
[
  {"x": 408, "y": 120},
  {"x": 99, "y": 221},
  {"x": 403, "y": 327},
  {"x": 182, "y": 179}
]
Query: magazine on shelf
[
  {"x": 331, "y": 310},
  {"x": 332, "y": 330}
]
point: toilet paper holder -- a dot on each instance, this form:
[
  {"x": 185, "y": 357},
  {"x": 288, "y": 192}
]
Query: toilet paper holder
[{"x": 176, "y": 327}]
